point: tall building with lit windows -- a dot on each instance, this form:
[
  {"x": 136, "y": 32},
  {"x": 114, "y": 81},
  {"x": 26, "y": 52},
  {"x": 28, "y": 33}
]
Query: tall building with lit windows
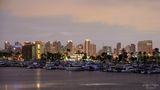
[
  {"x": 7, "y": 46},
  {"x": 56, "y": 47},
  {"x": 28, "y": 51},
  {"x": 145, "y": 46},
  {"x": 92, "y": 50},
  {"x": 87, "y": 45},
  {"x": 128, "y": 48},
  {"x": 118, "y": 48},
  {"x": 133, "y": 48},
  {"x": 107, "y": 49},
  {"x": 17, "y": 47},
  {"x": 39, "y": 49},
  {"x": 70, "y": 49},
  {"x": 79, "y": 48},
  {"x": 48, "y": 47}
]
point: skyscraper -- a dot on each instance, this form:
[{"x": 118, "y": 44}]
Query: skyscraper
[
  {"x": 145, "y": 46},
  {"x": 79, "y": 48},
  {"x": 48, "y": 47},
  {"x": 133, "y": 48},
  {"x": 107, "y": 49},
  {"x": 128, "y": 48},
  {"x": 7, "y": 46},
  {"x": 87, "y": 47},
  {"x": 39, "y": 47},
  {"x": 118, "y": 47},
  {"x": 56, "y": 46},
  {"x": 70, "y": 47},
  {"x": 28, "y": 51},
  {"x": 17, "y": 47},
  {"x": 92, "y": 50}
]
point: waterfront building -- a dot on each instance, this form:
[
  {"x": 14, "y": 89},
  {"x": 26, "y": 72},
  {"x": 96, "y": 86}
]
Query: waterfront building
[
  {"x": 56, "y": 47},
  {"x": 92, "y": 50},
  {"x": 79, "y": 49},
  {"x": 28, "y": 51},
  {"x": 7, "y": 46},
  {"x": 39, "y": 48},
  {"x": 133, "y": 48},
  {"x": 145, "y": 46},
  {"x": 118, "y": 48},
  {"x": 70, "y": 49},
  {"x": 87, "y": 47},
  {"x": 107, "y": 49}
]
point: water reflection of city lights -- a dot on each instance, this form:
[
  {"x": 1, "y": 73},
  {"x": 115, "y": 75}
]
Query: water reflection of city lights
[
  {"x": 6, "y": 87},
  {"x": 38, "y": 85},
  {"x": 38, "y": 79}
]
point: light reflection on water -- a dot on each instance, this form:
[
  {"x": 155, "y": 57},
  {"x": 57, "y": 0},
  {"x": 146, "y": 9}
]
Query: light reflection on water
[
  {"x": 36, "y": 86},
  {"x": 39, "y": 86},
  {"x": 38, "y": 79},
  {"x": 6, "y": 87}
]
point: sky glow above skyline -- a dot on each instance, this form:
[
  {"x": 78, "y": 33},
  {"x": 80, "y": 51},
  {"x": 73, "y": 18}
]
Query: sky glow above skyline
[{"x": 105, "y": 22}]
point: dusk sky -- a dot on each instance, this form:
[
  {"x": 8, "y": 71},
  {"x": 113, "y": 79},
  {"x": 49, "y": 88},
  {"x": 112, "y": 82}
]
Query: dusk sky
[{"x": 105, "y": 22}]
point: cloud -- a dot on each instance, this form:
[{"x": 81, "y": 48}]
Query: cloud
[{"x": 142, "y": 15}]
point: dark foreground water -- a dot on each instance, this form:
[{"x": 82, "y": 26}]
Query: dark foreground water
[{"x": 40, "y": 79}]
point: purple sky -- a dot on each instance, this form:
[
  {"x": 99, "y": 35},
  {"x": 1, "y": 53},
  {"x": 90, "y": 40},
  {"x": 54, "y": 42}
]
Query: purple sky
[{"x": 105, "y": 22}]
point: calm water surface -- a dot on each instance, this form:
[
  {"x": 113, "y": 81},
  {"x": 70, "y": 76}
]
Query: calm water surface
[{"x": 40, "y": 79}]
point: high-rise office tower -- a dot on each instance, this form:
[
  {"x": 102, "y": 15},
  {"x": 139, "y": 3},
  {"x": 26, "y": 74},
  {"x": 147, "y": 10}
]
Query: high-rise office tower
[
  {"x": 133, "y": 48},
  {"x": 107, "y": 49},
  {"x": 39, "y": 47},
  {"x": 70, "y": 47},
  {"x": 56, "y": 47},
  {"x": 79, "y": 48},
  {"x": 28, "y": 51},
  {"x": 92, "y": 50},
  {"x": 7, "y": 46},
  {"x": 87, "y": 47},
  {"x": 48, "y": 47},
  {"x": 17, "y": 47},
  {"x": 145, "y": 46},
  {"x": 118, "y": 47},
  {"x": 128, "y": 48}
]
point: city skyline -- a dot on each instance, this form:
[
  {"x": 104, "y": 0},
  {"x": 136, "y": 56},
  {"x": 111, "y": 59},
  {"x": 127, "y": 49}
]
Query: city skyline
[
  {"x": 140, "y": 46},
  {"x": 105, "y": 23},
  {"x": 35, "y": 50}
]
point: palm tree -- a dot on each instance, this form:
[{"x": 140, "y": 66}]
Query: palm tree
[
  {"x": 57, "y": 56},
  {"x": 85, "y": 56},
  {"x": 49, "y": 56},
  {"x": 123, "y": 57},
  {"x": 104, "y": 56},
  {"x": 139, "y": 57},
  {"x": 99, "y": 57},
  {"x": 43, "y": 56},
  {"x": 156, "y": 55},
  {"x": 132, "y": 58},
  {"x": 92, "y": 57},
  {"x": 145, "y": 57}
]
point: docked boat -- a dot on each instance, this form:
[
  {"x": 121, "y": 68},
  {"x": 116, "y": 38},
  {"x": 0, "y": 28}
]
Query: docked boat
[{"x": 74, "y": 67}]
